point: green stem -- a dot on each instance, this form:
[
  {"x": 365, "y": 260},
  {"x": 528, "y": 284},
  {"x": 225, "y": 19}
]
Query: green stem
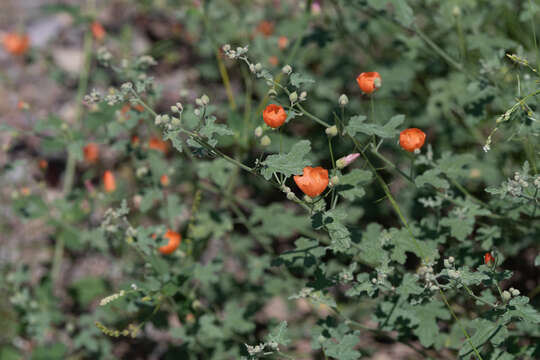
[
  {"x": 71, "y": 163},
  {"x": 465, "y": 333}
]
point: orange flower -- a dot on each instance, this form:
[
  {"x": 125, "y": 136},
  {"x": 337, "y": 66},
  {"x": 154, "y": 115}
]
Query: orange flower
[
  {"x": 135, "y": 140},
  {"x": 313, "y": 181},
  {"x": 412, "y": 139},
  {"x": 174, "y": 240},
  {"x": 273, "y": 60},
  {"x": 91, "y": 153},
  {"x": 488, "y": 258},
  {"x": 109, "y": 183},
  {"x": 97, "y": 30},
  {"x": 164, "y": 180},
  {"x": 274, "y": 115},
  {"x": 156, "y": 143},
  {"x": 25, "y": 190},
  {"x": 22, "y": 105},
  {"x": 283, "y": 42},
  {"x": 43, "y": 164},
  {"x": 16, "y": 44},
  {"x": 266, "y": 28},
  {"x": 369, "y": 81},
  {"x": 138, "y": 107},
  {"x": 190, "y": 318}
]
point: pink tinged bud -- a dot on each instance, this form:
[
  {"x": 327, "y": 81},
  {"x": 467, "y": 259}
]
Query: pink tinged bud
[
  {"x": 346, "y": 160},
  {"x": 316, "y": 8},
  {"x": 89, "y": 187}
]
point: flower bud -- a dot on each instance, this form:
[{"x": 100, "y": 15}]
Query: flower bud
[
  {"x": 346, "y": 160},
  {"x": 205, "y": 99},
  {"x": 287, "y": 69},
  {"x": 174, "y": 108},
  {"x": 258, "y": 131},
  {"x": 506, "y": 295},
  {"x": 258, "y": 66},
  {"x": 157, "y": 120},
  {"x": 293, "y": 97},
  {"x": 454, "y": 274},
  {"x": 331, "y": 131},
  {"x": 272, "y": 92},
  {"x": 175, "y": 121},
  {"x": 265, "y": 140},
  {"x": 303, "y": 95},
  {"x": 514, "y": 292},
  {"x": 226, "y": 47},
  {"x": 290, "y": 195},
  {"x": 334, "y": 180},
  {"x": 343, "y": 100}
]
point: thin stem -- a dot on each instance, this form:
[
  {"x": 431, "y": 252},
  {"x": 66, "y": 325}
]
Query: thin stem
[
  {"x": 465, "y": 333},
  {"x": 71, "y": 163}
]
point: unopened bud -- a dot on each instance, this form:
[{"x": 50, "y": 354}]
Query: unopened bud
[
  {"x": 205, "y": 99},
  {"x": 290, "y": 195},
  {"x": 506, "y": 295},
  {"x": 258, "y": 131},
  {"x": 343, "y": 100},
  {"x": 287, "y": 69},
  {"x": 293, "y": 97},
  {"x": 514, "y": 292},
  {"x": 303, "y": 95},
  {"x": 346, "y": 160},
  {"x": 265, "y": 140},
  {"x": 334, "y": 180},
  {"x": 331, "y": 131}
]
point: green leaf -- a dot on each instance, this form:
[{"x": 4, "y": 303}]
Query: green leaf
[
  {"x": 297, "y": 80},
  {"x": 218, "y": 170},
  {"x": 210, "y": 128},
  {"x": 520, "y": 308},
  {"x": 402, "y": 11},
  {"x": 174, "y": 137},
  {"x": 371, "y": 246},
  {"x": 279, "y": 334},
  {"x": 234, "y": 320},
  {"x": 409, "y": 286},
  {"x": 485, "y": 330},
  {"x": 427, "y": 315},
  {"x": 342, "y": 347},
  {"x": 351, "y": 185},
  {"x": 389, "y": 130},
  {"x": 278, "y": 220},
  {"x": 305, "y": 254},
  {"x": 339, "y": 234},
  {"x": 209, "y": 331},
  {"x": 431, "y": 177},
  {"x": 148, "y": 199},
  {"x": 207, "y": 274},
  {"x": 292, "y": 163}
]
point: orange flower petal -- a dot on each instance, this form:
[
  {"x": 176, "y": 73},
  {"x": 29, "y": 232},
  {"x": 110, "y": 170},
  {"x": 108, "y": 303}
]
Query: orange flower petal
[
  {"x": 369, "y": 81},
  {"x": 174, "y": 241},
  {"x": 313, "y": 181},
  {"x": 411, "y": 139},
  {"x": 274, "y": 115}
]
